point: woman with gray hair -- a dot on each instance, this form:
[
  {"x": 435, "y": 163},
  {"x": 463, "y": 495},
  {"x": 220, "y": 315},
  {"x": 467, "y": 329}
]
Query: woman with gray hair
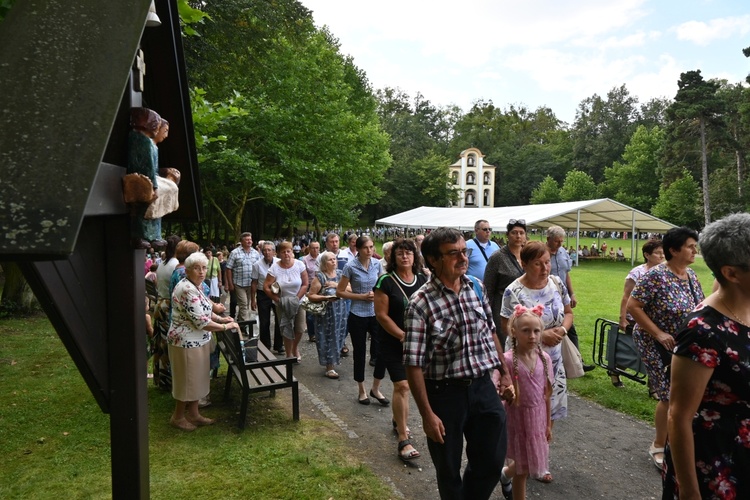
[
  {"x": 330, "y": 328},
  {"x": 189, "y": 343},
  {"x": 708, "y": 452}
]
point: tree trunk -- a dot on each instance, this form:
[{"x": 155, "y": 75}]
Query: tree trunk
[
  {"x": 704, "y": 171},
  {"x": 740, "y": 162},
  {"x": 15, "y": 283}
]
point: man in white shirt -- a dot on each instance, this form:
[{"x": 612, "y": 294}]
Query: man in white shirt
[
  {"x": 332, "y": 245},
  {"x": 481, "y": 248},
  {"x": 261, "y": 302}
]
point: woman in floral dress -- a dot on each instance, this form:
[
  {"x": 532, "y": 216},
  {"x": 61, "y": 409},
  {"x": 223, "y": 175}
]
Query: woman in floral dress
[
  {"x": 659, "y": 303},
  {"x": 708, "y": 451},
  {"x": 330, "y": 328}
]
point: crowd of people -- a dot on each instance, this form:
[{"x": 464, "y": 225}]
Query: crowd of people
[{"x": 479, "y": 334}]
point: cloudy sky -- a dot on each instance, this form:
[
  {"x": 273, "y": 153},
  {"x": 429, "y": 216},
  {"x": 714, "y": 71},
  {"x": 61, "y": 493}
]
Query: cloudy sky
[{"x": 538, "y": 53}]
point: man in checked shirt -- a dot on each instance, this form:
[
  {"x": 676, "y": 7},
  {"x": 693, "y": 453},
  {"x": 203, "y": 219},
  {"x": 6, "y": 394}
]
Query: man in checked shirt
[{"x": 450, "y": 353}]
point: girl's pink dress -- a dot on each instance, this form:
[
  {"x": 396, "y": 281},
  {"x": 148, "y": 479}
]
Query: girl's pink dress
[{"x": 527, "y": 421}]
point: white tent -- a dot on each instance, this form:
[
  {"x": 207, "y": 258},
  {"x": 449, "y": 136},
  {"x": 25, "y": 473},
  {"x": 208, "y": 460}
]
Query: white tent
[{"x": 592, "y": 215}]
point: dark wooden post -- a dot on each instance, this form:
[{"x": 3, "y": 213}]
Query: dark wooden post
[{"x": 126, "y": 335}]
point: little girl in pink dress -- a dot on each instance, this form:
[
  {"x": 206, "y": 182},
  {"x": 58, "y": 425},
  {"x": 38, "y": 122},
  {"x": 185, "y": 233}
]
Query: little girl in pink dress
[{"x": 529, "y": 417}]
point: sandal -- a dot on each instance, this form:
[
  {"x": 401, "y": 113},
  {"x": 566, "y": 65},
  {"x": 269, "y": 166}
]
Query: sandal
[
  {"x": 395, "y": 429},
  {"x": 332, "y": 374},
  {"x": 615, "y": 379},
  {"x": 344, "y": 351},
  {"x": 544, "y": 478},
  {"x": 653, "y": 451},
  {"x": 409, "y": 455}
]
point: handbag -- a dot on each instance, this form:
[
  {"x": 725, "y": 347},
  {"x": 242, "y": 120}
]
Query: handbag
[
  {"x": 316, "y": 308},
  {"x": 571, "y": 359}
]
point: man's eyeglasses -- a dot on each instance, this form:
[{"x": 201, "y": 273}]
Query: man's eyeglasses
[
  {"x": 517, "y": 221},
  {"x": 453, "y": 254},
  {"x": 488, "y": 229}
]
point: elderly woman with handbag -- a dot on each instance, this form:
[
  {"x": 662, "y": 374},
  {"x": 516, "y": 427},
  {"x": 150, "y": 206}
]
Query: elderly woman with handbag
[
  {"x": 330, "y": 327},
  {"x": 189, "y": 343}
]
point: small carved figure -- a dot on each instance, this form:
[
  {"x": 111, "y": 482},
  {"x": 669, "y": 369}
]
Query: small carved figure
[{"x": 148, "y": 128}]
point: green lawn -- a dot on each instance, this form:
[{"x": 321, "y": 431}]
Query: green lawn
[{"x": 54, "y": 439}]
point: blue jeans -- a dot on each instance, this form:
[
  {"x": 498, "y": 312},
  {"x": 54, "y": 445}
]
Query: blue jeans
[{"x": 475, "y": 412}]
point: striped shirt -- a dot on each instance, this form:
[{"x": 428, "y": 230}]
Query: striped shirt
[
  {"x": 362, "y": 281},
  {"x": 241, "y": 264},
  {"x": 450, "y": 335}
]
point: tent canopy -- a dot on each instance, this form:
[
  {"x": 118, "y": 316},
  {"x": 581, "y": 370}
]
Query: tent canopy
[{"x": 594, "y": 215}]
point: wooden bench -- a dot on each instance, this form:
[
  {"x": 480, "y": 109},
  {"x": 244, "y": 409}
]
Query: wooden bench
[{"x": 268, "y": 373}]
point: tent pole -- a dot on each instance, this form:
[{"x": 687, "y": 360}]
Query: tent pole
[
  {"x": 632, "y": 240},
  {"x": 578, "y": 237}
]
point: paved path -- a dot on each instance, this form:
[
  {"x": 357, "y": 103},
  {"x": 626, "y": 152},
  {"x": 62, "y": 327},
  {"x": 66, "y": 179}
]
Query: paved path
[{"x": 596, "y": 452}]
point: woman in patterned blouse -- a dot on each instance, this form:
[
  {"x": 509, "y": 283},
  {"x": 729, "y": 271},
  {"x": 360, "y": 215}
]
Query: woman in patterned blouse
[
  {"x": 189, "y": 343},
  {"x": 708, "y": 454},
  {"x": 659, "y": 303}
]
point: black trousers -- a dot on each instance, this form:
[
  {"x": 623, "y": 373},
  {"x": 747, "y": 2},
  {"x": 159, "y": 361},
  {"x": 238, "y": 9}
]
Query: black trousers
[
  {"x": 476, "y": 413},
  {"x": 265, "y": 306}
]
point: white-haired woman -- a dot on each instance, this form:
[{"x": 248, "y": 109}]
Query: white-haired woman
[{"x": 189, "y": 343}]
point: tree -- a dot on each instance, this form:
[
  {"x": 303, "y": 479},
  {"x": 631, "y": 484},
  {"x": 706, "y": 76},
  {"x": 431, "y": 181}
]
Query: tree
[
  {"x": 310, "y": 142},
  {"x": 601, "y": 130},
  {"x": 695, "y": 107},
  {"x": 578, "y": 186},
  {"x": 679, "y": 203},
  {"x": 633, "y": 181},
  {"x": 419, "y": 136},
  {"x": 548, "y": 191}
]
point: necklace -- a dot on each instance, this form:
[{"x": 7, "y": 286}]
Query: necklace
[{"x": 736, "y": 318}]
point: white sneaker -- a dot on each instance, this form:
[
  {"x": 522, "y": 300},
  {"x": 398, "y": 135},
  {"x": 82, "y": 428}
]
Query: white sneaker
[{"x": 203, "y": 402}]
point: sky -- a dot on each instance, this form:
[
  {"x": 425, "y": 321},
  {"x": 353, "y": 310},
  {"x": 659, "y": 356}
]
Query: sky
[{"x": 538, "y": 53}]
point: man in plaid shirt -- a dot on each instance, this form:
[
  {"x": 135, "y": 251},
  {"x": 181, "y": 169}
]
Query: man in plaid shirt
[
  {"x": 450, "y": 352},
  {"x": 239, "y": 274}
]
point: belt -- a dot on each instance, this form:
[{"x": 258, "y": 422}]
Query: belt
[{"x": 457, "y": 382}]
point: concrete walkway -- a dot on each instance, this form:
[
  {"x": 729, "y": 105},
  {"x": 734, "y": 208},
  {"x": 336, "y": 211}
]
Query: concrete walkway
[{"x": 596, "y": 452}]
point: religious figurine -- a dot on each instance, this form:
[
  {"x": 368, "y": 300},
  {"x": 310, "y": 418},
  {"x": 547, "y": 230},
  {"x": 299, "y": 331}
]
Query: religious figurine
[{"x": 143, "y": 159}]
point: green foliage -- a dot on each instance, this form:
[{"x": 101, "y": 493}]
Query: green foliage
[
  {"x": 632, "y": 180},
  {"x": 5, "y": 6},
  {"x": 695, "y": 109},
  {"x": 548, "y": 191},
  {"x": 679, "y": 203},
  {"x": 578, "y": 186},
  {"x": 601, "y": 130},
  {"x": 418, "y": 175},
  {"x": 189, "y": 16},
  {"x": 290, "y": 117},
  {"x": 524, "y": 145}
]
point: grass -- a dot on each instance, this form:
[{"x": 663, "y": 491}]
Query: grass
[{"x": 54, "y": 439}]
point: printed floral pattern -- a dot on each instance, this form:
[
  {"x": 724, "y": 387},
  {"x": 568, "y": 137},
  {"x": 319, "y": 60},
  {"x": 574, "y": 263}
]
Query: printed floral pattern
[
  {"x": 667, "y": 301},
  {"x": 721, "y": 426},
  {"x": 191, "y": 311}
]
